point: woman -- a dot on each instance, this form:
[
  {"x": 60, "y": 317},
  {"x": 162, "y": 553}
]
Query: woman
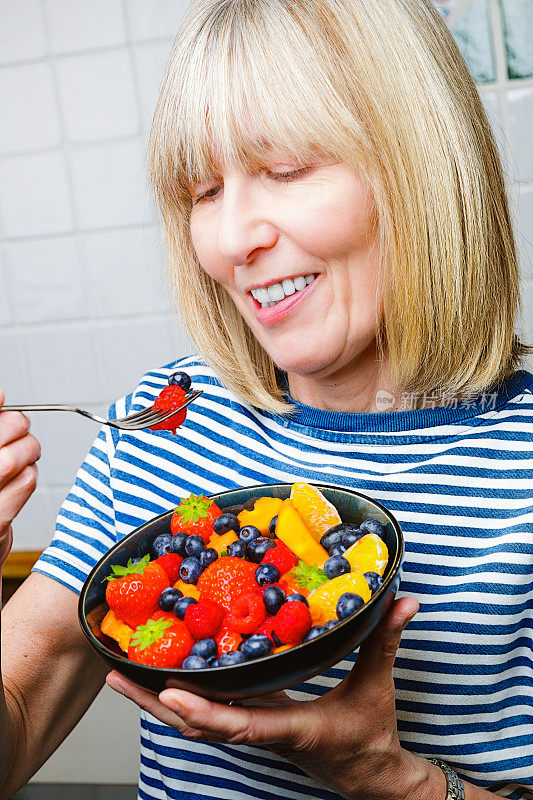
[{"x": 343, "y": 143}]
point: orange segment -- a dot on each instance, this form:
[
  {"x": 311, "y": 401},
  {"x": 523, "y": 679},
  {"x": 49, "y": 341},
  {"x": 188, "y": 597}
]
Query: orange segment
[
  {"x": 188, "y": 589},
  {"x": 112, "y": 626},
  {"x": 368, "y": 554},
  {"x": 318, "y": 513},
  {"x": 323, "y": 601}
]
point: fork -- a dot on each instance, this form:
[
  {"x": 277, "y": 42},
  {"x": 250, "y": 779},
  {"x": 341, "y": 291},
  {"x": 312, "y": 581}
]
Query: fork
[{"x": 133, "y": 422}]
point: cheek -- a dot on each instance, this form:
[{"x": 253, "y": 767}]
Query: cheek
[{"x": 204, "y": 245}]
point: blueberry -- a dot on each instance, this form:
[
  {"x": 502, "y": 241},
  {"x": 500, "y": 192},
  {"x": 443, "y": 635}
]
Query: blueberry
[
  {"x": 226, "y": 522},
  {"x": 373, "y": 526},
  {"x": 298, "y": 597},
  {"x": 336, "y": 566},
  {"x": 257, "y": 549},
  {"x": 168, "y": 598},
  {"x": 237, "y": 548},
  {"x": 178, "y": 543},
  {"x": 190, "y": 569},
  {"x": 351, "y": 537},
  {"x": 206, "y": 648},
  {"x": 248, "y": 533},
  {"x": 331, "y": 624},
  {"x": 273, "y": 598},
  {"x": 334, "y": 534},
  {"x": 181, "y": 606},
  {"x": 374, "y": 581},
  {"x": 207, "y": 557},
  {"x": 231, "y": 657},
  {"x": 180, "y": 379},
  {"x": 348, "y": 603},
  {"x": 214, "y": 662},
  {"x": 275, "y": 639},
  {"x": 272, "y": 525},
  {"x": 194, "y": 545},
  {"x": 338, "y": 550},
  {"x": 315, "y": 631},
  {"x": 267, "y": 573},
  {"x": 257, "y": 646},
  {"x": 162, "y": 544},
  {"x": 194, "y": 662}
]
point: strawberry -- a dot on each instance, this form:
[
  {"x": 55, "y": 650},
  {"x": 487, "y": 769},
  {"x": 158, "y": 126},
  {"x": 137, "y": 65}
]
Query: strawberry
[
  {"x": 227, "y": 640},
  {"x": 281, "y": 556},
  {"x": 246, "y": 613},
  {"x": 204, "y": 619},
  {"x": 133, "y": 591},
  {"x": 169, "y": 398},
  {"x": 227, "y": 579},
  {"x": 302, "y": 579},
  {"x": 171, "y": 564},
  {"x": 161, "y": 642},
  {"x": 195, "y": 514},
  {"x": 292, "y": 622}
]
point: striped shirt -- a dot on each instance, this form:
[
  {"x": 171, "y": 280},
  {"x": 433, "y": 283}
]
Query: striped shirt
[{"x": 459, "y": 479}]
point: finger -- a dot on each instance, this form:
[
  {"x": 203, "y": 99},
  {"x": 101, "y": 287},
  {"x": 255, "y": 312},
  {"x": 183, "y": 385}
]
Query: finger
[
  {"x": 16, "y": 456},
  {"x": 13, "y": 425},
  {"x": 235, "y": 724},
  {"x": 375, "y": 660},
  {"x": 15, "y": 494},
  {"x": 149, "y": 702}
]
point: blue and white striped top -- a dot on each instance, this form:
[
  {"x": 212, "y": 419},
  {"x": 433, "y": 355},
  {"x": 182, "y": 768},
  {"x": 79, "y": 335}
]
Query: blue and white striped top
[{"x": 459, "y": 479}]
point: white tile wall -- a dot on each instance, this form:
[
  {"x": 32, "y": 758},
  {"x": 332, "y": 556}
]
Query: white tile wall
[
  {"x": 62, "y": 364},
  {"x": 84, "y": 24},
  {"x": 5, "y": 297},
  {"x": 520, "y": 111},
  {"x": 155, "y": 19},
  {"x": 22, "y": 30},
  {"x": 30, "y": 119},
  {"x": 34, "y": 195},
  {"x": 150, "y": 60},
  {"x": 46, "y": 280},
  {"x": 110, "y": 185},
  {"x": 525, "y": 232},
  {"x": 97, "y": 96},
  {"x": 125, "y": 273}
]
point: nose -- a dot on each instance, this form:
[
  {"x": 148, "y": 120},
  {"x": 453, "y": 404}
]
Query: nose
[{"x": 245, "y": 219}]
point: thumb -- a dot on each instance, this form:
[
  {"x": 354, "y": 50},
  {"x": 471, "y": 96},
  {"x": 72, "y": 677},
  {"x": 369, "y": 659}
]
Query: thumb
[{"x": 377, "y": 653}]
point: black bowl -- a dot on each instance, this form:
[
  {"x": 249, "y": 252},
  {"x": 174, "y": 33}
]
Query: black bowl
[{"x": 261, "y": 675}]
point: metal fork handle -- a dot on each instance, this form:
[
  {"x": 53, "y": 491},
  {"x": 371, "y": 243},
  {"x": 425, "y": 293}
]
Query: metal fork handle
[{"x": 55, "y": 407}]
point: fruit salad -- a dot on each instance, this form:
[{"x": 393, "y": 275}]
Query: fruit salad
[
  {"x": 171, "y": 397},
  {"x": 223, "y": 588}
]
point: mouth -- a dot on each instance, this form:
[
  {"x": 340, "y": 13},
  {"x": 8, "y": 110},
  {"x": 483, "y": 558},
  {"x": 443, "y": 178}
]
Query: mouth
[
  {"x": 274, "y": 293},
  {"x": 272, "y": 312}
]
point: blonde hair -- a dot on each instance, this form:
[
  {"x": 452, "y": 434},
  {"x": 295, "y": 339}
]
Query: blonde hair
[{"x": 381, "y": 86}]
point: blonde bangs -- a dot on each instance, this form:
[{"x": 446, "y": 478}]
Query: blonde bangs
[{"x": 381, "y": 86}]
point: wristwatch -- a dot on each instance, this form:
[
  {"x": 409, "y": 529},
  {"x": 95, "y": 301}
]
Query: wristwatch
[{"x": 455, "y": 788}]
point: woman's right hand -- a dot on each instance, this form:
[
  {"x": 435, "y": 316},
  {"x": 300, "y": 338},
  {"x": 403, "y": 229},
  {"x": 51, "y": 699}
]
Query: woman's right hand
[{"x": 19, "y": 451}]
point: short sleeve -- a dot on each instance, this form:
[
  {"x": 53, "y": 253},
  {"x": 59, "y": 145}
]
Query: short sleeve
[{"x": 85, "y": 527}]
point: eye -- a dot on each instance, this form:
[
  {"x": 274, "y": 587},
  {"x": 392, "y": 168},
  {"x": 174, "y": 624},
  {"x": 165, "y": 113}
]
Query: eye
[{"x": 283, "y": 177}]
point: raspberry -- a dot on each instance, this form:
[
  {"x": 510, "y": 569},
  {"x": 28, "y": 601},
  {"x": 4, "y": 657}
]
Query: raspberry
[
  {"x": 246, "y": 613},
  {"x": 203, "y": 619},
  {"x": 281, "y": 556},
  {"x": 266, "y": 627},
  {"x": 170, "y": 397},
  {"x": 171, "y": 564},
  {"x": 292, "y": 622}
]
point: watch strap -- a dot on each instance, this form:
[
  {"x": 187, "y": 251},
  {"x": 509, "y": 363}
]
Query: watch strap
[{"x": 454, "y": 784}]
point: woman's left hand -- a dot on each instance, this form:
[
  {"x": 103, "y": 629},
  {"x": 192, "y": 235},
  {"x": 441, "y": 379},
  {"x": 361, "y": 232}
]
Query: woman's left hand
[{"x": 347, "y": 739}]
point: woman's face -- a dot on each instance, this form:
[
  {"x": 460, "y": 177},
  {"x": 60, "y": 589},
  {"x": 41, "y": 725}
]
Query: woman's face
[{"x": 254, "y": 230}]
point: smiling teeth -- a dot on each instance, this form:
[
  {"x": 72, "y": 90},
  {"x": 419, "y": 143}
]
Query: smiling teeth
[{"x": 273, "y": 294}]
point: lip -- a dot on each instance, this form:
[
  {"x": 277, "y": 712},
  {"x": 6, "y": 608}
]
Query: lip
[{"x": 268, "y": 316}]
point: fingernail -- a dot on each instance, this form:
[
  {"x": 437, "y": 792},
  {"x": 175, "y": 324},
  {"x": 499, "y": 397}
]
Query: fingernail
[{"x": 114, "y": 684}]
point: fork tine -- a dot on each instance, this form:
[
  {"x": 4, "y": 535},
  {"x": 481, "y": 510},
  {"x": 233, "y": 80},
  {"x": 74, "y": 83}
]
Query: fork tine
[{"x": 150, "y": 416}]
